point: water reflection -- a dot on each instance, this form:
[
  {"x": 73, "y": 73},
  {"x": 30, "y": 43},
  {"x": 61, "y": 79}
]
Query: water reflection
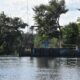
[
  {"x": 42, "y": 63},
  {"x": 25, "y": 68},
  {"x": 58, "y": 69},
  {"x": 48, "y": 62},
  {"x": 48, "y": 68}
]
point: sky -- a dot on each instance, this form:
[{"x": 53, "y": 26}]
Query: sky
[{"x": 23, "y": 9}]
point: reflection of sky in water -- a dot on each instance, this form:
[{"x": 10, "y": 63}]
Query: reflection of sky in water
[{"x": 14, "y": 68}]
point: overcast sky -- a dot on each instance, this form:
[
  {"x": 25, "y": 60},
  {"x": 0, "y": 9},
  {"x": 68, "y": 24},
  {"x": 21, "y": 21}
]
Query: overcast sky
[{"x": 23, "y": 9}]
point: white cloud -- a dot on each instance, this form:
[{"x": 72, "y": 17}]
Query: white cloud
[
  {"x": 73, "y": 3},
  {"x": 70, "y": 16}
]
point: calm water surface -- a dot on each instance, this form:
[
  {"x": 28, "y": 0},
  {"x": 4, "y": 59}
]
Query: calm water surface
[{"x": 25, "y": 68}]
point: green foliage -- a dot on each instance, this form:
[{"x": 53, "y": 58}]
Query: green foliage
[
  {"x": 38, "y": 40},
  {"x": 53, "y": 43},
  {"x": 47, "y": 17},
  {"x": 71, "y": 33},
  {"x": 10, "y": 34}
]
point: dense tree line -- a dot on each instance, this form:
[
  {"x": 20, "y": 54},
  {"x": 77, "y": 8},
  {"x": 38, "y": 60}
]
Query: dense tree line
[
  {"x": 71, "y": 34},
  {"x": 70, "y": 37},
  {"x": 48, "y": 28},
  {"x": 10, "y": 34}
]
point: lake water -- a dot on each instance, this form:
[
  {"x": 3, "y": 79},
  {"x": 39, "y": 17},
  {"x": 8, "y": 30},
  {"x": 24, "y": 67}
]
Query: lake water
[{"x": 26, "y": 68}]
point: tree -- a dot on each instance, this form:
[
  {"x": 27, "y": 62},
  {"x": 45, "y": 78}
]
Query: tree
[
  {"x": 71, "y": 34},
  {"x": 47, "y": 18},
  {"x": 10, "y": 33},
  {"x": 78, "y": 23}
]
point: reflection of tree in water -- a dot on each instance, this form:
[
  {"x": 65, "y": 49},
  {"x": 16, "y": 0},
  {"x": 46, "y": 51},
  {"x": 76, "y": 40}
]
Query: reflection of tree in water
[
  {"x": 48, "y": 69},
  {"x": 42, "y": 62},
  {"x": 48, "y": 62},
  {"x": 58, "y": 69}
]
